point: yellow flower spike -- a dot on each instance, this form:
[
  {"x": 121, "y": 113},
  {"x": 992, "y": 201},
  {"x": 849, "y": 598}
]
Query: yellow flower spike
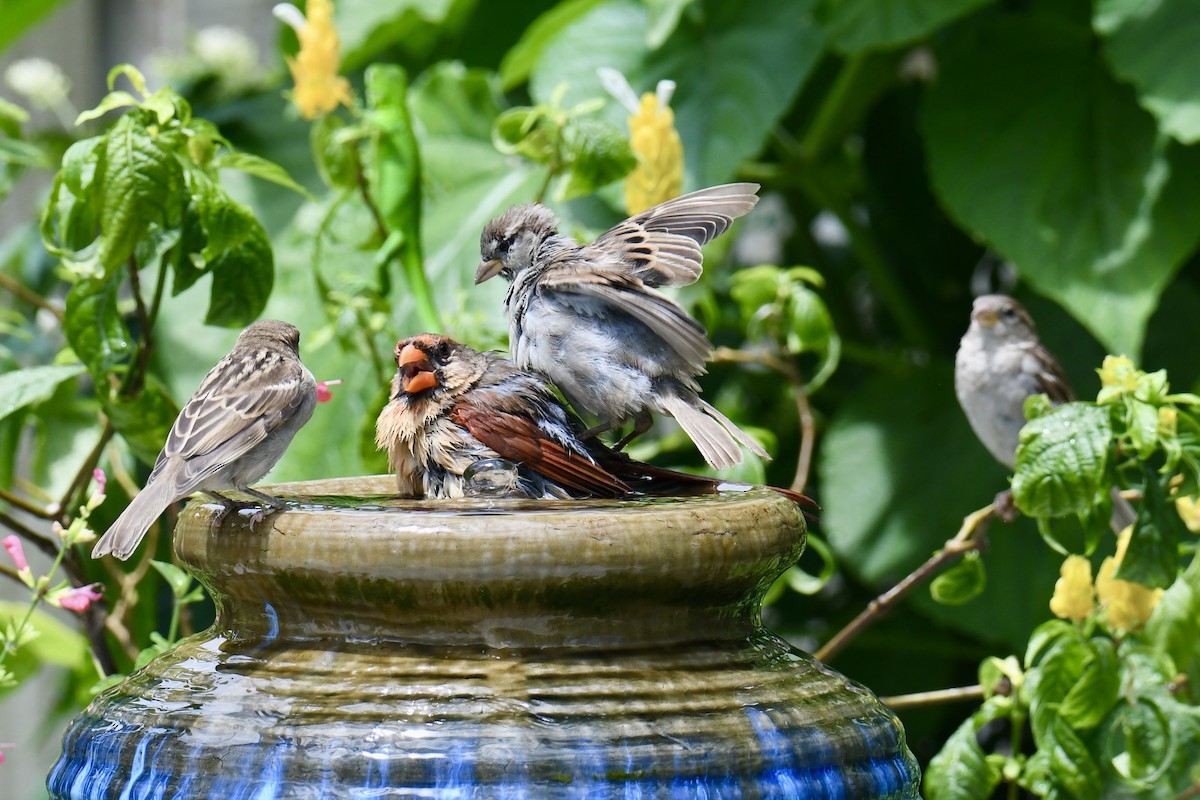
[
  {"x": 1118, "y": 371},
  {"x": 652, "y": 136},
  {"x": 1189, "y": 511},
  {"x": 1127, "y": 605},
  {"x": 1168, "y": 421},
  {"x": 1074, "y": 594},
  {"x": 319, "y": 88}
]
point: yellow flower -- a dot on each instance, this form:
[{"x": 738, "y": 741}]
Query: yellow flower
[
  {"x": 1118, "y": 371},
  {"x": 652, "y": 136},
  {"x": 1073, "y": 592},
  {"x": 1127, "y": 605},
  {"x": 319, "y": 88},
  {"x": 1189, "y": 512}
]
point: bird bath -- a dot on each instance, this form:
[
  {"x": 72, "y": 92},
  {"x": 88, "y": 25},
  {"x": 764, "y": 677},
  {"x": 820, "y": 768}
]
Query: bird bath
[{"x": 366, "y": 646}]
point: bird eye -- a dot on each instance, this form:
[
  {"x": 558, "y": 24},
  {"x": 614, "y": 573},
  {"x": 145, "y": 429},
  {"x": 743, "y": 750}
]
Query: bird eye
[
  {"x": 1010, "y": 313},
  {"x": 443, "y": 349}
]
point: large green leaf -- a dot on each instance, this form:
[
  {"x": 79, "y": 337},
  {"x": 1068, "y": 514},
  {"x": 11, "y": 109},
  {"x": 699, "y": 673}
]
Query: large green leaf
[
  {"x": 737, "y": 66},
  {"x": 94, "y": 328},
  {"x": 960, "y": 771},
  {"x": 367, "y": 27},
  {"x": 1061, "y": 461},
  {"x": 25, "y": 387},
  {"x": 520, "y": 60},
  {"x": 852, "y": 26},
  {"x": 20, "y": 16},
  {"x": 1153, "y": 46},
  {"x": 1034, "y": 147},
  {"x": 140, "y": 184}
]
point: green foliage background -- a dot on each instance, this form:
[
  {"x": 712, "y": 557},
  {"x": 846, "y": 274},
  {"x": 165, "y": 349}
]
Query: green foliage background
[{"x": 945, "y": 137}]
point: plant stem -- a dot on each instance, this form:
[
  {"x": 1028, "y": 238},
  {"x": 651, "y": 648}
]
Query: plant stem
[
  {"x": 969, "y": 537},
  {"x": 960, "y": 694},
  {"x": 26, "y": 506},
  {"x": 79, "y": 482},
  {"x": 29, "y": 296},
  {"x": 136, "y": 376}
]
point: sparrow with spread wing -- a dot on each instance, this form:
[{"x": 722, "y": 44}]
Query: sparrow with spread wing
[
  {"x": 231, "y": 432},
  {"x": 590, "y": 317},
  {"x": 453, "y": 410}
]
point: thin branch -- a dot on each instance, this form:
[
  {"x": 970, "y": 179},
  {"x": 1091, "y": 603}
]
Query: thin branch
[
  {"x": 1189, "y": 793},
  {"x": 364, "y": 189},
  {"x": 29, "y": 296},
  {"x": 969, "y": 537},
  {"x": 27, "y": 506},
  {"x": 85, "y": 471},
  {"x": 804, "y": 414},
  {"x": 12, "y": 573},
  {"x": 961, "y": 694},
  {"x": 137, "y": 375}
]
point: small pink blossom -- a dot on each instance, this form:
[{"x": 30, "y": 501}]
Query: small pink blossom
[
  {"x": 100, "y": 478},
  {"x": 4, "y": 745},
  {"x": 12, "y": 545},
  {"x": 79, "y": 598},
  {"x": 323, "y": 393}
]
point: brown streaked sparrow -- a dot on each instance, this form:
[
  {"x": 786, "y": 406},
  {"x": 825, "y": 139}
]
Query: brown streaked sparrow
[
  {"x": 455, "y": 411},
  {"x": 229, "y": 434},
  {"x": 1001, "y": 362},
  {"x": 590, "y": 318}
]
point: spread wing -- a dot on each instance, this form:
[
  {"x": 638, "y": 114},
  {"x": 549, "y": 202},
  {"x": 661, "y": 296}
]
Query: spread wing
[
  {"x": 661, "y": 246},
  {"x": 245, "y": 397},
  {"x": 519, "y": 439},
  {"x": 626, "y": 294}
]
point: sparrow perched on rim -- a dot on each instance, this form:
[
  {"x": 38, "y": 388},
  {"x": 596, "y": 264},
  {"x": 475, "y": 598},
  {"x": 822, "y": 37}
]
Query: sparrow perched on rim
[
  {"x": 1000, "y": 362},
  {"x": 590, "y": 318},
  {"x": 454, "y": 410},
  {"x": 231, "y": 432}
]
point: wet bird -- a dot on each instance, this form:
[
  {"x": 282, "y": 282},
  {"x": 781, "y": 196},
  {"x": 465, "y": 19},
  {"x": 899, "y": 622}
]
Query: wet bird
[
  {"x": 231, "y": 432},
  {"x": 1001, "y": 362},
  {"x": 590, "y": 317},
  {"x": 459, "y": 422}
]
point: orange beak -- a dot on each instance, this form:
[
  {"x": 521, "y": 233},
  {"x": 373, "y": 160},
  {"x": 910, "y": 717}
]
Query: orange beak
[{"x": 416, "y": 373}]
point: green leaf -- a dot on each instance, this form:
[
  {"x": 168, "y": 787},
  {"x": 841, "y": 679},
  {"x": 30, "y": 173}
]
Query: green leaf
[
  {"x": 259, "y": 168},
  {"x": 962, "y": 583},
  {"x": 20, "y": 16},
  {"x": 526, "y": 132},
  {"x": 94, "y": 327},
  {"x": 111, "y": 101},
  {"x": 176, "y": 578},
  {"x": 1152, "y": 46},
  {"x": 960, "y": 771},
  {"x": 598, "y": 154},
  {"x": 520, "y": 60},
  {"x": 1072, "y": 769},
  {"x": 236, "y": 251},
  {"x": 143, "y": 420},
  {"x": 1061, "y": 461},
  {"x": 1152, "y": 558},
  {"x": 852, "y": 26},
  {"x": 1174, "y": 627},
  {"x": 1096, "y": 692},
  {"x": 737, "y": 64},
  {"x": 54, "y": 643},
  {"x": 1105, "y": 203},
  {"x": 333, "y": 148},
  {"x": 369, "y": 29},
  {"x": 26, "y": 387},
  {"x": 139, "y": 184}
]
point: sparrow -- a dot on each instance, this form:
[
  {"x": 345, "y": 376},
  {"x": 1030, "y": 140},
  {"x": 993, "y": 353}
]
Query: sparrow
[
  {"x": 1000, "y": 362},
  {"x": 589, "y": 317},
  {"x": 461, "y": 423},
  {"x": 229, "y": 434}
]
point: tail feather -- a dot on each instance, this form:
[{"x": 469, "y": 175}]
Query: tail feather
[
  {"x": 714, "y": 434},
  {"x": 124, "y": 535}
]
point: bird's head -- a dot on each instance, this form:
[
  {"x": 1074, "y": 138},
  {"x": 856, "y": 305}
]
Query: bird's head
[
  {"x": 435, "y": 367},
  {"x": 272, "y": 332},
  {"x": 1000, "y": 317},
  {"x": 510, "y": 242}
]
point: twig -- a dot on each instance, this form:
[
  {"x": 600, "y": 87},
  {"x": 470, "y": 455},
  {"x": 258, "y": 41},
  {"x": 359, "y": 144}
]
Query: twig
[
  {"x": 803, "y": 410},
  {"x": 136, "y": 376},
  {"x": 364, "y": 189},
  {"x": 85, "y": 471},
  {"x": 969, "y": 537},
  {"x": 27, "y": 506},
  {"x": 1189, "y": 793},
  {"x": 12, "y": 573},
  {"x": 920, "y": 699},
  {"x": 29, "y": 296}
]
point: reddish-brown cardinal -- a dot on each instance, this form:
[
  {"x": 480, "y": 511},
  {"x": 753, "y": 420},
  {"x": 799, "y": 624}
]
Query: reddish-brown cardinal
[
  {"x": 454, "y": 409},
  {"x": 233, "y": 430},
  {"x": 590, "y": 318}
]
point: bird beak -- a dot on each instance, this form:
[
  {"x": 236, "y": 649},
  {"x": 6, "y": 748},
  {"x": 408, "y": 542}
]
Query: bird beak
[
  {"x": 488, "y": 269},
  {"x": 986, "y": 317},
  {"x": 416, "y": 373}
]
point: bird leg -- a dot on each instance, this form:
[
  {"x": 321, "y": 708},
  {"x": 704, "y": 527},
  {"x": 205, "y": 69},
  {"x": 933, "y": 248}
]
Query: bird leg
[
  {"x": 593, "y": 432},
  {"x": 641, "y": 424},
  {"x": 276, "y": 505},
  {"x": 228, "y": 505}
]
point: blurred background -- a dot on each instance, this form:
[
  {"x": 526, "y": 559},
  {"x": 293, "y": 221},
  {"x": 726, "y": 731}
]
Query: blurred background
[{"x": 909, "y": 161}]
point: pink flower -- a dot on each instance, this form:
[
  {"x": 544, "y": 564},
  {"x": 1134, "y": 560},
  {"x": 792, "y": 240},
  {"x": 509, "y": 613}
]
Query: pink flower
[
  {"x": 100, "y": 478},
  {"x": 3, "y": 745},
  {"x": 79, "y": 598},
  {"x": 323, "y": 393},
  {"x": 12, "y": 545}
]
